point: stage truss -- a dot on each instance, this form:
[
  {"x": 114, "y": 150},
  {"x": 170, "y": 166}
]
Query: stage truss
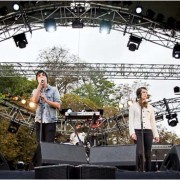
[
  {"x": 108, "y": 70},
  {"x": 31, "y": 17}
]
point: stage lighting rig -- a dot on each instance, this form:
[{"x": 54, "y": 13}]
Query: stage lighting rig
[
  {"x": 176, "y": 51},
  {"x": 105, "y": 27},
  {"x": 134, "y": 42},
  {"x": 13, "y": 127},
  {"x": 20, "y": 40},
  {"x": 50, "y": 25},
  {"x": 172, "y": 119}
]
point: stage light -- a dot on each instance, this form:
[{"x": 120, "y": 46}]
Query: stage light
[
  {"x": 3, "y": 11},
  {"x": 23, "y": 101},
  {"x": 176, "y": 51},
  {"x": 176, "y": 89},
  {"x": 31, "y": 104},
  {"x": 20, "y": 165},
  {"x": 172, "y": 119},
  {"x": 16, "y": 7},
  {"x": 134, "y": 42},
  {"x": 13, "y": 127},
  {"x": 20, "y": 40},
  {"x": 77, "y": 24},
  {"x": 150, "y": 14},
  {"x": 160, "y": 18},
  {"x": 50, "y": 25},
  {"x": 139, "y": 9},
  {"x": 105, "y": 27}
]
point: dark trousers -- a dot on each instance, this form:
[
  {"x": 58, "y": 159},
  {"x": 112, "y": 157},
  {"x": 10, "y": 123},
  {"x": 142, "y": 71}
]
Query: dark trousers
[
  {"x": 48, "y": 132},
  {"x": 148, "y": 138}
]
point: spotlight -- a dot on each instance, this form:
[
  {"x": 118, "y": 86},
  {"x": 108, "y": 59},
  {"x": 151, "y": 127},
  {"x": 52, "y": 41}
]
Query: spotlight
[
  {"x": 32, "y": 105},
  {"x": 16, "y": 7},
  {"x": 172, "y": 119},
  {"x": 150, "y": 14},
  {"x": 3, "y": 11},
  {"x": 176, "y": 51},
  {"x": 50, "y": 25},
  {"x": 20, "y": 40},
  {"x": 176, "y": 90},
  {"x": 134, "y": 42},
  {"x": 139, "y": 9},
  {"x": 13, "y": 127},
  {"x": 160, "y": 18},
  {"x": 23, "y": 101},
  {"x": 105, "y": 27},
  {"x": 77, "y": 24},
  {"x": 20, "y": 165}
]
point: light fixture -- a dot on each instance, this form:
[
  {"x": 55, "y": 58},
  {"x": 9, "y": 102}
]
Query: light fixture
[
  {"x": 31, "y": 104},
  {"x": 160, "y": 18},
  {"x": 16, "y": 6},
  {"x": 105, "y": 27},
  {"x": 77, "y": 24},
  {"x": 3, "y": 11},
  {"x": 23, "y": 101},
  {"x": 134, "y": 42},
  {"x": 13, "y": 127},
  {"x": 20, "y": 40},
  {"x": 176, "y": 89},
  {"x": 176, "y": 51},
  {"x": 50, "y": 25},
  {"x": 172, "y": 119},
  {"x": 150, "y": 14},
  {"x": 139, "y": 9}
]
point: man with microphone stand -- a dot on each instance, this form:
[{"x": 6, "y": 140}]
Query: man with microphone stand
[
  {"x": 142, "y": 129},
  {"x": 48, "y": 102}
]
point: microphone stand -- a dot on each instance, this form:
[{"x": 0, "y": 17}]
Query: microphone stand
[
  {"x": 142, "y": 138},
  {"x": 42, "y": 107}
]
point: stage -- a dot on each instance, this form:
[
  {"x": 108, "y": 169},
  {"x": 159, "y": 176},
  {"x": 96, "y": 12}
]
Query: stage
[{"x": 119, "y": 174}]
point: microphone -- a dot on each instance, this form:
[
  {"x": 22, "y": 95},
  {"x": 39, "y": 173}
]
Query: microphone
[{"x": 42, "y": 81}]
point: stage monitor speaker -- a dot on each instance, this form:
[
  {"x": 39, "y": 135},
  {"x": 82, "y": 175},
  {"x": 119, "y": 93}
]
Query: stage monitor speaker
[
  {"x": 119, "y": 155},
  {"x": 3, "y": 163},
  {"x": 172, "y": 160},
  {"x": 95, "y": 172},
  {"x": 53, "y": 153},
  {"x": 63, "y": 171}
]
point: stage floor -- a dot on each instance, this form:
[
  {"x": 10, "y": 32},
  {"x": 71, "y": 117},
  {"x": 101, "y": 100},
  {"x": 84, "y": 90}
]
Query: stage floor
[{"x": 119, "y": 174}]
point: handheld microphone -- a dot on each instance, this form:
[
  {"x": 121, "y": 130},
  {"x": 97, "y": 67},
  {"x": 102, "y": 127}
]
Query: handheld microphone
[{"x": 42, "y": 81}]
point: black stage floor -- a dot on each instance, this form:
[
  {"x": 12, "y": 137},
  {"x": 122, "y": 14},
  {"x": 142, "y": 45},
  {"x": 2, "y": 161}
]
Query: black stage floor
[{"x": 89, "y": 174}]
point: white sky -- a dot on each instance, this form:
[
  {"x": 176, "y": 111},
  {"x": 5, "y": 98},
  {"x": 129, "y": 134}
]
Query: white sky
[{"x": 93, "y": 47}]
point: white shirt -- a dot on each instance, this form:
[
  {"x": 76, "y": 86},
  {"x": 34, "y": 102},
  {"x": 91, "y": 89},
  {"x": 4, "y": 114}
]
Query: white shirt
[
  {"x": 74, "y": 138},
  {"x": 148, "y": 118}
]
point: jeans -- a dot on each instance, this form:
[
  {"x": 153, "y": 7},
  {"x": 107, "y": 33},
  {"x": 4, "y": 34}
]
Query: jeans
[
  {"x": 48, "y": 132},
  {"x": 148, "y": 138}
]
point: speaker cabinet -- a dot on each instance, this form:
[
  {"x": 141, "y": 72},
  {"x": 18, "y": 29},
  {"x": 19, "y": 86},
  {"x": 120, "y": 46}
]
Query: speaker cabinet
[
  {"x": 52, "y": 153},
  {"x": 95, "y": 172},
  {"x": 3, "y": 163},
  {"x": 122, "y": 155},
  {"x": 172, "y": 160},
  {"x": 64, "y": 171}
]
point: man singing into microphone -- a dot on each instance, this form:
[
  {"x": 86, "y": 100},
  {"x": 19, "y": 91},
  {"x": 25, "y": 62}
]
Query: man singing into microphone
[
  {"x": 142, "y": 128},
  {"x": 48, "y": 99}
]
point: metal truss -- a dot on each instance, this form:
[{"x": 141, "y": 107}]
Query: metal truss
[
  {"x": 32, "y": 18},
  {"x": 24, "y": 117},
  {"x": 111, "y": 71}
]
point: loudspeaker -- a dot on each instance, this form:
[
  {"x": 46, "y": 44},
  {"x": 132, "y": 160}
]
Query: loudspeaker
[
  {"x": 64, "y": 171},
  {"x": 3, "y": 163},
  {"x": 95, "y": 172},
  {"x": 122, "y": 155},
  {"x": 172, "y": 160},
  {"x": 53, "y": 153}
]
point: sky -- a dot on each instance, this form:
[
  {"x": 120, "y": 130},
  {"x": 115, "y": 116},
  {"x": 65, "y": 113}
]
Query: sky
[{"x": 93, "y": 47}]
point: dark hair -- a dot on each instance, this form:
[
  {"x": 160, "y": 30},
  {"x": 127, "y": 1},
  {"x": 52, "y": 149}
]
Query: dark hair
[
  {"x": 41, "y": 71},
  {"x": 138, "y": 91}
]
